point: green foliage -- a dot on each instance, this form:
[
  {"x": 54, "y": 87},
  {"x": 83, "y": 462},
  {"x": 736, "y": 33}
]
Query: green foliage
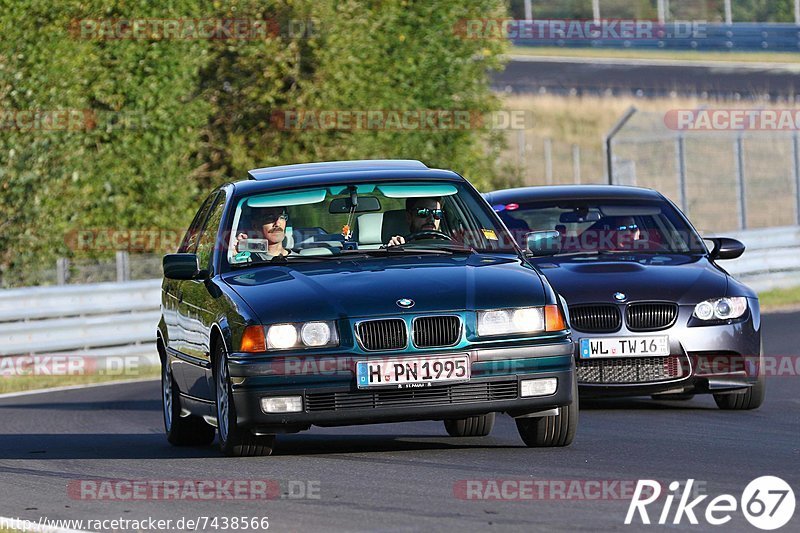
[{"x": 158, "y": 121}]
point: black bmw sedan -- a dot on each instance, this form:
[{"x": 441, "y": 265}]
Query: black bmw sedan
[
  {"x": 652, "y": 311},
  {"x": 357, "y": 292}
]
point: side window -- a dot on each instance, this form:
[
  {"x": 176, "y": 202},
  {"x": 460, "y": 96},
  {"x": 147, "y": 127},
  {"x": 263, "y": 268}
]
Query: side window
[
  {"x": 189, "y": 242},
  {"x": 208, "y": 237}
]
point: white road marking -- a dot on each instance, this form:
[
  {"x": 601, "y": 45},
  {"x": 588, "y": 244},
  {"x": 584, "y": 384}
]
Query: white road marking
[{"x": 75, "y": 387}]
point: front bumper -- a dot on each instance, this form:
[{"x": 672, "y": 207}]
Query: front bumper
[
  {"x": 703, "y": 359},
  {"x": 331, "y": 398}
]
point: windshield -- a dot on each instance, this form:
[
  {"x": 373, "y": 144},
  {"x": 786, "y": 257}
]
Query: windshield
[
  {"x": 363, "y": 219},
  {"x": 642, "y": 226}
]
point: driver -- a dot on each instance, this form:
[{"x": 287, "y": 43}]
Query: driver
[
  {"x": 626, "y": 232},
  {"x": 422, "y": 214},
  {"x": 269, "y": 223}
]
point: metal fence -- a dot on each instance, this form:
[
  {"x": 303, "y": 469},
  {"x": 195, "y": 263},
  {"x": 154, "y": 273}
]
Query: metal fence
[{"x": 723, "y": 180}]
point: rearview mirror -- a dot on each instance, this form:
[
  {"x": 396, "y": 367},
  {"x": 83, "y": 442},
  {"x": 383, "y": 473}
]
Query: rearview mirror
[
  {"x": 726, "y": 248},
  {"x": 365, "y": 204},
  {"x": 576, "y": 217},
  {"x": 181, "y": 266},
  {"x": 543, "y": 243}
]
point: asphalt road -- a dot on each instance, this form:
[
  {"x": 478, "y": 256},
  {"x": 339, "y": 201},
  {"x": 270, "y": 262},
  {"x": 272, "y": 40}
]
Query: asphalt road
[
  {"x": 650, "y": 79},
  {"x": 400, "y": 477}
]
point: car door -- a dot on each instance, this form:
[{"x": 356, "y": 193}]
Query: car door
[
  {"x": 198, "y": 311},
  {"x": 172, "y": 299}
]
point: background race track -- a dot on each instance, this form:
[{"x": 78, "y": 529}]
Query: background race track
[
  {"x": 649, "y": 78},
  {"x": 399, "y": 477}
]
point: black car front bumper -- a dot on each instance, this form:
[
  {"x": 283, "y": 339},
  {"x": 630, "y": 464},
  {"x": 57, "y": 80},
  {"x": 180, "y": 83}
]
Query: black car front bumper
[{"x": 332, "y": 399}]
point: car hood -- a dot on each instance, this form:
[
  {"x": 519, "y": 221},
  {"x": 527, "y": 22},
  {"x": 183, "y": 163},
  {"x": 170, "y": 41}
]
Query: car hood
[
  {"x": 676, "y": 278},
  {"x": 358, "y": 288}
]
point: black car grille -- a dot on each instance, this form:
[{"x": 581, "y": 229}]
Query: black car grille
[
  {"x": 597, "y": 318},
  {"x": 434, "y": 331},
  {"x": 428, "y": 396},
  {"x": 389, "y": 334},
  {"x": 650, "y": 316},
  {"x": 631, "y": 370}
]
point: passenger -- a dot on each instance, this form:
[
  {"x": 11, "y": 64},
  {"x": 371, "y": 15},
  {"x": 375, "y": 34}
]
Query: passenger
[{"x": 422, "y": 214}]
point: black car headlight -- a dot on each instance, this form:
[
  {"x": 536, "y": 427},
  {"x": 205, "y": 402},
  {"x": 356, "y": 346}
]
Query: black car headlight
[
  {"x": 314, "y": 334},
  {"x": 721, "y": 308}
]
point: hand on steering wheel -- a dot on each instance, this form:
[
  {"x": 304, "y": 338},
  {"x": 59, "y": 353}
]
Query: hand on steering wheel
[{"x": 428, "y": 234}]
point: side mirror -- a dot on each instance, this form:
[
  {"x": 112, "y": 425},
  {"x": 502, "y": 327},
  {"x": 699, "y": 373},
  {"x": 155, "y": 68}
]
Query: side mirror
[
  {"x": 726, "y": 248},
  {"x": 543, "y": 243},
  {"x": 181, "y": 266}
]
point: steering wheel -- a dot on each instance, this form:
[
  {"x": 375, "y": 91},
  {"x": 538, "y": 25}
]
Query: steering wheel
[{"x": 428, "y": 234}]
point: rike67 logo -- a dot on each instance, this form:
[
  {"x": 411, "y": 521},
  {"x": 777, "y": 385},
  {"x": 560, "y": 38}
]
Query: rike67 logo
[{"x": 767, "y": 502}]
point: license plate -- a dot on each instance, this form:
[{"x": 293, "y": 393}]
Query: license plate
[
  {"x": 624, "y": 346},
  {"x": 411, "y": 372}
]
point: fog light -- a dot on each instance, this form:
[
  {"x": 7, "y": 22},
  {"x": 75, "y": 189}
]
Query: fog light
[
  {"x": 282, "y": 404},
  {"x": 538, "y": 387}
]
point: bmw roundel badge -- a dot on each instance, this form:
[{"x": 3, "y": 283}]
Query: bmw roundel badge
[
  {"x": 620, "y": 296},
  {"x": 405, "y": 303}
]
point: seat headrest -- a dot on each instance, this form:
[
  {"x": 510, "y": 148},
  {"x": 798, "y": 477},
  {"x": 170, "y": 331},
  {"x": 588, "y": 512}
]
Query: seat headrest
[
  {"x": 394, "y": 223},
  {"x": 368, "y": 228}
]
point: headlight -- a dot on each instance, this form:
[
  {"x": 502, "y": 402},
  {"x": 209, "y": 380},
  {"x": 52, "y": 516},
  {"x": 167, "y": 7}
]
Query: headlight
[
  {"x": 522, "y": 320},
  {"x": 721, "y": 308},
  {"x": 301, "y": 335}
]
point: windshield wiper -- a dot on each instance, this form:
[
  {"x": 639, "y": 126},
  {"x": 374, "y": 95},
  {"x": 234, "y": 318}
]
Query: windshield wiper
[{"x": 411, "y": 249}]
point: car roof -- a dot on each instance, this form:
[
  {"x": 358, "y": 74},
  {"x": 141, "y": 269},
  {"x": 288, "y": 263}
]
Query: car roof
[
  {"x": 335, "y": 172},
  {"x": 329, "y": 167},
  {"x": 572, "y": 192}
]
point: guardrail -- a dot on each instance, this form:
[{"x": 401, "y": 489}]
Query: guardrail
[
  {"x": 92, "y": 320},
  {"x": 771, "y": 260},
  {"x": 690, "y": 36},
  {"x": 119, "y": 319}
]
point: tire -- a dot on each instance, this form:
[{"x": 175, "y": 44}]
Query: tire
[
  {"x": 551, "y": 431},
  {"x": 752, "y": 398},
  {"x": 472, "y": 426},
  {"x": 181, "y": 431},
  {"x": 233, "y": 440}
]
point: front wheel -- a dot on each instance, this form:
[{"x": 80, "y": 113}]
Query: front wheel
[
  {"x": 181, "y": 431},
  {"x": 233, "y": 440},
  {"x": 743, "y": 401},
  {"x": 551, "y": 431},
  {"x": 472, "y": 426}
]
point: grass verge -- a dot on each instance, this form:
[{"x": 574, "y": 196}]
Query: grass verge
[
  {"x": 780, "y": 299},
  {"x": 675, "y": 55},
  {"x": 24, "y": 383}
]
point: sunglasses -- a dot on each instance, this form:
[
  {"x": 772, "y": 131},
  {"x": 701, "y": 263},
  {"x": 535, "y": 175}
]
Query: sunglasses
[
  {"x": 631, "y": 227},
  {"x": 425, "y": 212},
  {"x": 271, "y": 218}
]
